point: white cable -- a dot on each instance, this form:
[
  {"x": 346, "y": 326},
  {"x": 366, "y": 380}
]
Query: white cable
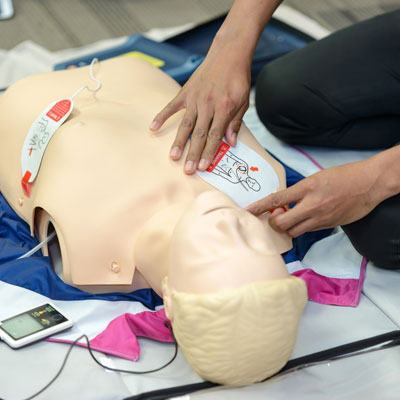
[
  {"x": 77, "y": 92},
  {"x": 91, "y": 74},
  {"x": 94, "y": 61},
  {"x": 39, "y": 246}
]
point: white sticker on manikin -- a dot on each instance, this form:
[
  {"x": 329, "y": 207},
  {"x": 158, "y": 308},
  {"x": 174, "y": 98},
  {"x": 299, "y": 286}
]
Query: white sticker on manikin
[
  {"x": 241, "y": 173},
  {"x": 39, "y": 136}
]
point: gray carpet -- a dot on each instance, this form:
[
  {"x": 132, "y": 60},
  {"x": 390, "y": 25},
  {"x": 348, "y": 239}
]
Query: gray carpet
[{"x": 59, "y": 24}]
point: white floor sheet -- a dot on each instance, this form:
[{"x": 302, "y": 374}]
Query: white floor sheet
[{"x": 370, "y": 376}]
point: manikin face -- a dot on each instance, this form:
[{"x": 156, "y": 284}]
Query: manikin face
[{"x": 217, "y": 245}]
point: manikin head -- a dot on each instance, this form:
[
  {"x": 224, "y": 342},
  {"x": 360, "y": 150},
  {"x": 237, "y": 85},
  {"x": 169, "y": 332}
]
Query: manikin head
[{"x": 234, "y": 308}]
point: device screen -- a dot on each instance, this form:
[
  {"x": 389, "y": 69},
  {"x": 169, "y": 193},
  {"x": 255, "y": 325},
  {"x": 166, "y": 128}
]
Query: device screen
[{"x": 32, "y": 321}]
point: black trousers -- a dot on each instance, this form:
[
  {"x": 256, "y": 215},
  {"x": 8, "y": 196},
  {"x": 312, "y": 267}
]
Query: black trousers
[{"x": 343, "y": 91}]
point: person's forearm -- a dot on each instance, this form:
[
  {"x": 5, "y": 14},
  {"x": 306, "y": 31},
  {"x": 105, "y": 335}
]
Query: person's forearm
[
  {"x": 386, "y": 167},
  {"x": 243, "y": 26}
]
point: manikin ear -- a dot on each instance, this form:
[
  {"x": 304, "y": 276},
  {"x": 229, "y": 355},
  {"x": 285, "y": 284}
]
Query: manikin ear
[{"x": 167, "y": 297}]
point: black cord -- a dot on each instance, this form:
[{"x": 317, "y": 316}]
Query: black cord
[
  {"x": 353, "y": 348},
  {"x": 332, "y": 354},
  {"x": 104, "y": 366}
]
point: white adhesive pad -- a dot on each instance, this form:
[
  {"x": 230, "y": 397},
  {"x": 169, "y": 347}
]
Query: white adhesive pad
[{"x": 241, "y": 173}]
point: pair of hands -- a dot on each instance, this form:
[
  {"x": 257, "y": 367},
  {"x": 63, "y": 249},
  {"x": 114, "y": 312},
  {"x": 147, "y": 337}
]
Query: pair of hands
[{"x": 215, "y": 99}]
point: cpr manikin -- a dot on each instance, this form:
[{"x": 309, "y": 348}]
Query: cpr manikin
[{"x": 126, "y": 217}]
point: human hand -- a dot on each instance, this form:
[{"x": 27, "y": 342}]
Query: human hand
[
  {"x": 215, "y": 98},
  {"x": 335, "y": 196}
]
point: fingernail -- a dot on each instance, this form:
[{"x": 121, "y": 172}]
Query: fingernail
[
  {"x": 233, "y": 136},
  {"x": 203, "y": 164},
  {"x": 278, "y": 211},
  {"x": 175, "y": 152},
  {"x": 154, "y": 126},
  {"x": 189, "y": 165}
]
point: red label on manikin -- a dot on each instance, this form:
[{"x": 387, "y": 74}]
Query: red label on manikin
[
  {"x": 59, "y": 110},
  {"x": 223, "y": 148},
  {"x": 27, "y": 186}
]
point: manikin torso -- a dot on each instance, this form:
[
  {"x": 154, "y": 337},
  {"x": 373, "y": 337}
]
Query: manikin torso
[{"x": 104, "y": 178}]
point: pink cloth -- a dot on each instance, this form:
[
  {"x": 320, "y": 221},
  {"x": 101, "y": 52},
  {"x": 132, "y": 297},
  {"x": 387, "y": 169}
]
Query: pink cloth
[
  {"x": 336, "y": 291},
  {"x": 120, "y": 337}
]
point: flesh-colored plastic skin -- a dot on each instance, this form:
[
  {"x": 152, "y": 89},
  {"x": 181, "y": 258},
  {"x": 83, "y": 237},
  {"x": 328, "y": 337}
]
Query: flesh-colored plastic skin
[{"x": 104, "y": 178}]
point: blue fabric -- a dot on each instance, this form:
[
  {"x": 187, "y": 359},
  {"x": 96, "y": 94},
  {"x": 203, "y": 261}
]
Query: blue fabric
[{"x": 35, "y": 273}]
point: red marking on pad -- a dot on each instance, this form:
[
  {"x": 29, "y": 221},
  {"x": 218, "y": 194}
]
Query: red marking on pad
[
  {"x": 223, "y": 148},
  {"x": 274, "y": 209},
  {"x": 27, "y": 186},
  {"x": 59, "y": 110},
  {"x": 254, "y": 169},
  {"x": 30, "y": 151}
]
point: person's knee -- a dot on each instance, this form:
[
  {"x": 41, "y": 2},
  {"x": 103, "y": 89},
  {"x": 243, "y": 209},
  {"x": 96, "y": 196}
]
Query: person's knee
[
  {"x": 284, "y": 104},
  {"x": 264, "y": 88},
  {"x": 383, "y": 252},
  {"x": 377, "y": 235},
  {"x": 271, "y": 102},
  {"x": 387, "y": 260}
]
